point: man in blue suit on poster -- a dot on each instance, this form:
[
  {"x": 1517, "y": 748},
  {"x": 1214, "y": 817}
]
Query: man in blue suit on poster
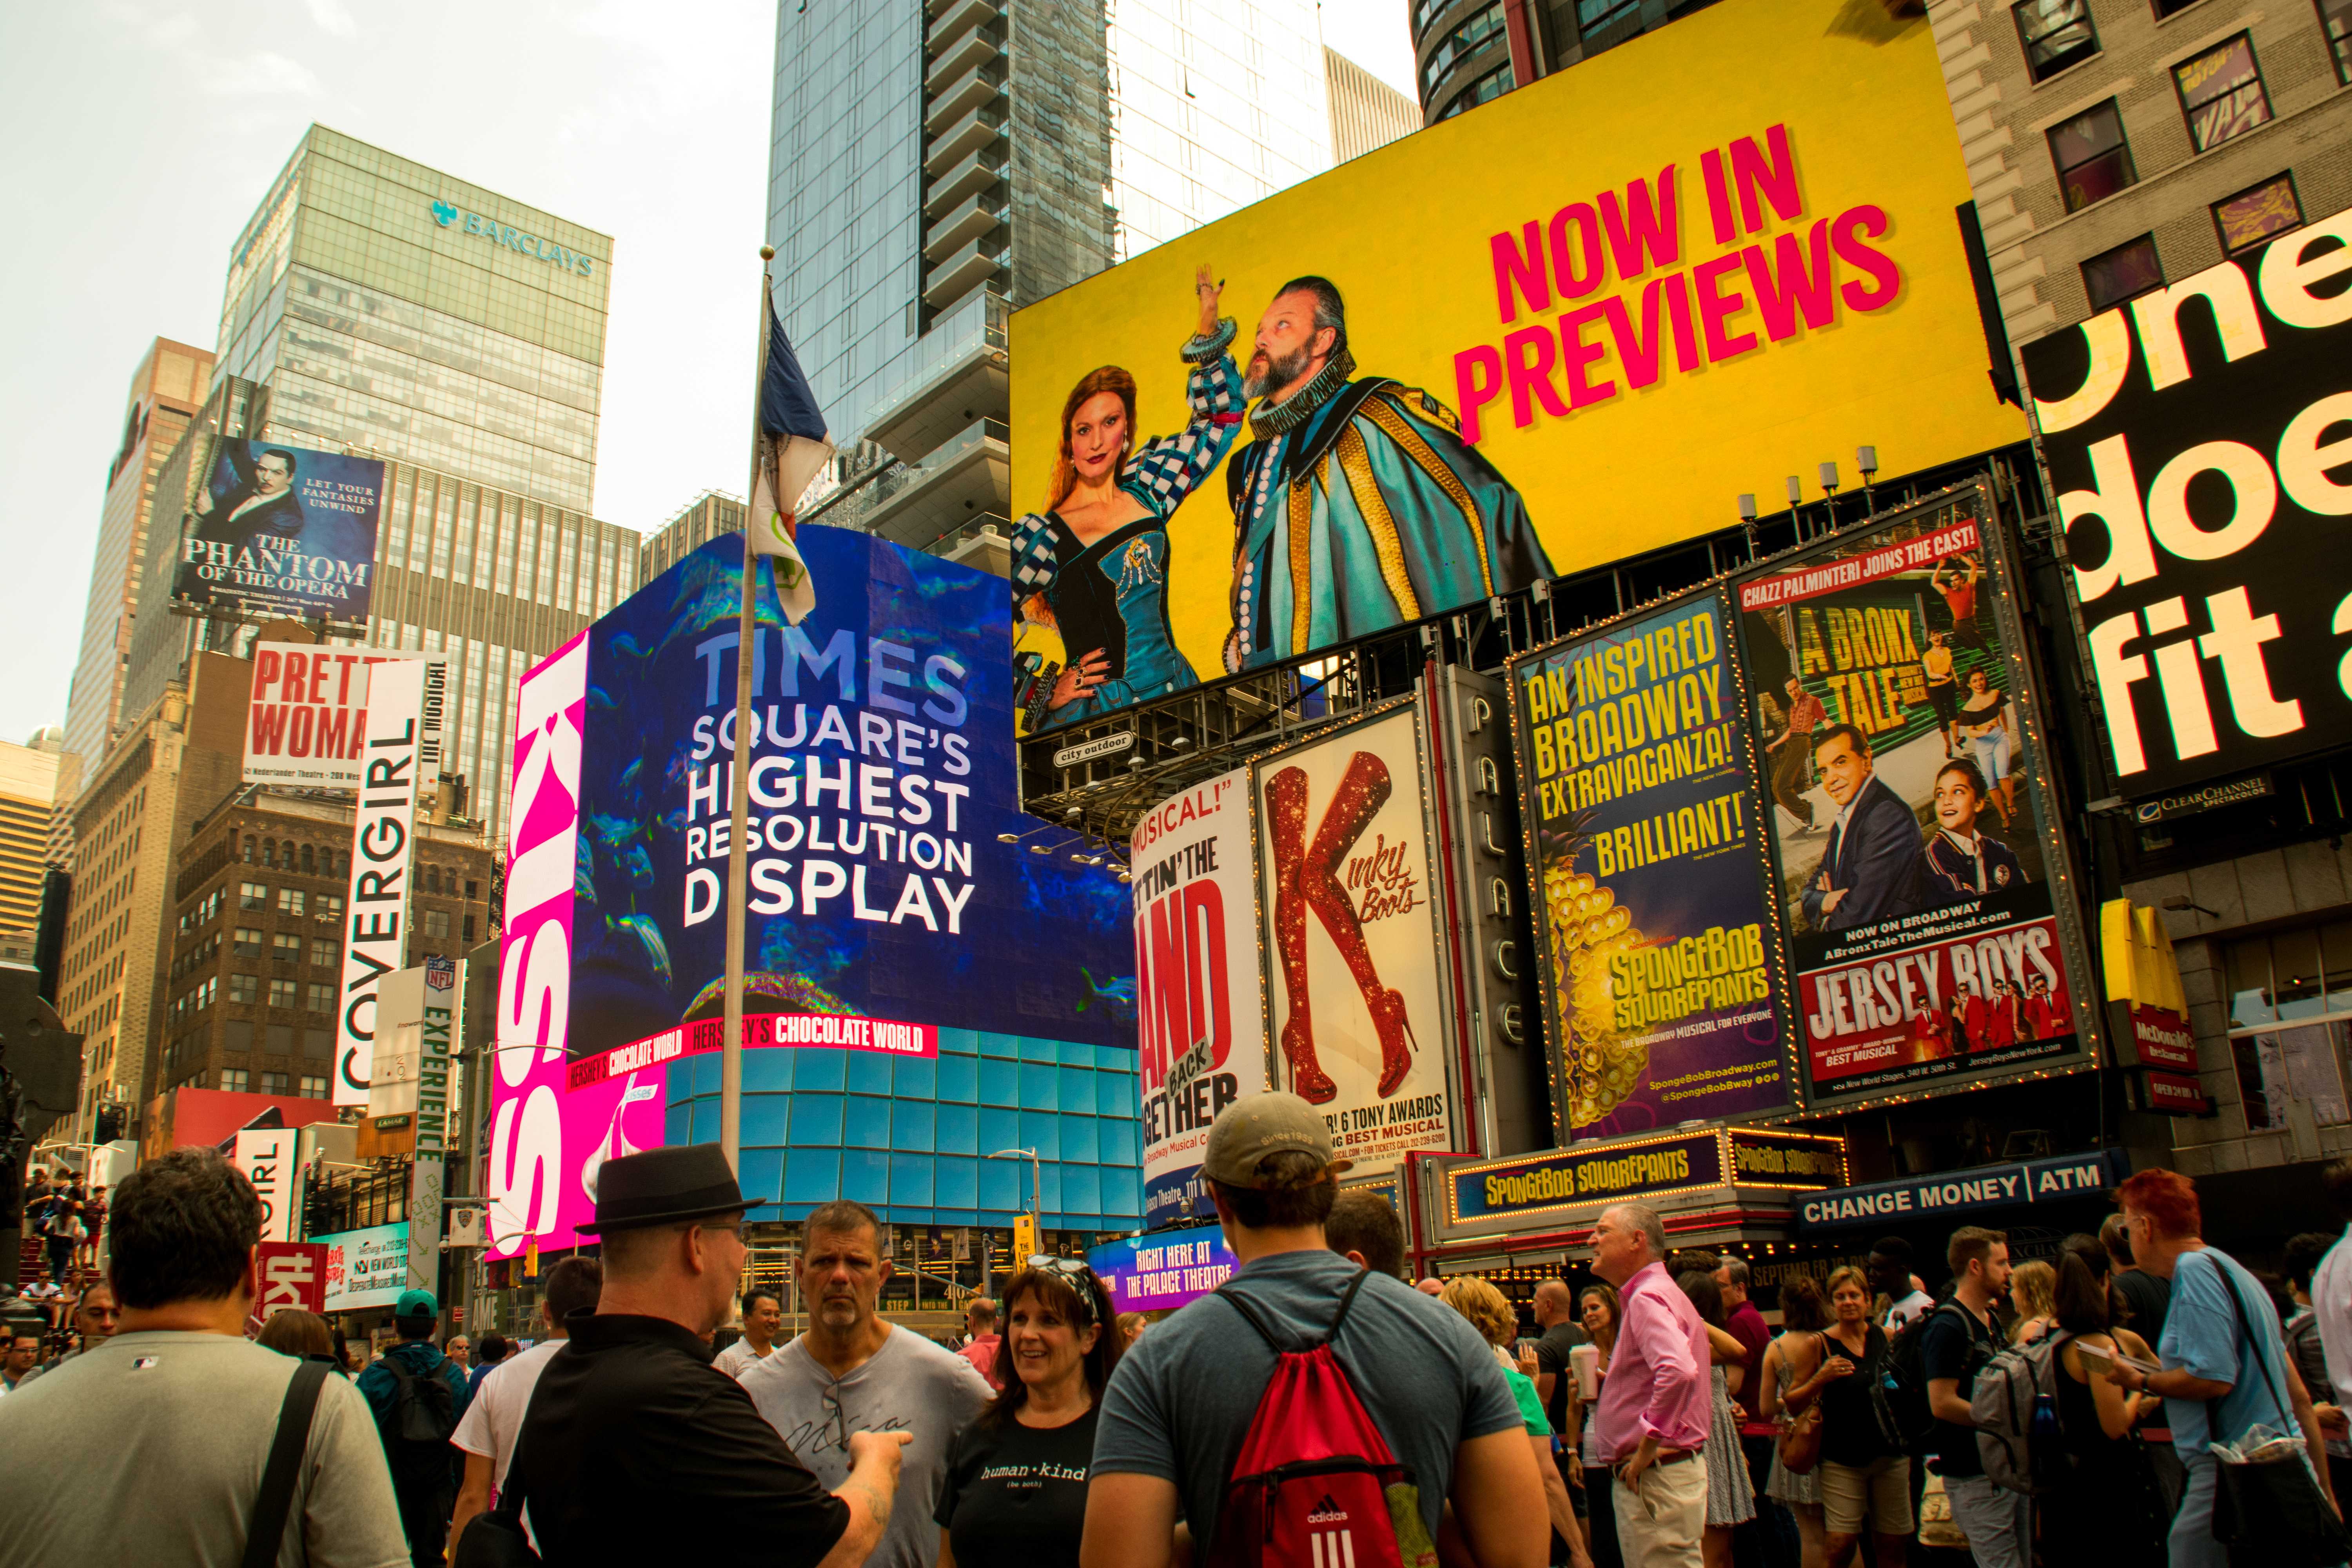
[{"x": 1874, "y": 869}]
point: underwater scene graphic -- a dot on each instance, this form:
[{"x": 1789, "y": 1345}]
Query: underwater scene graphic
[{"x": 882, "y": 772}]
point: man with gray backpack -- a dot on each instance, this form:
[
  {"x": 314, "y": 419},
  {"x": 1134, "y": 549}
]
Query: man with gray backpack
[
  {"x": 1958, "y": 1341},
  {"x": 418, "y": 1395}
]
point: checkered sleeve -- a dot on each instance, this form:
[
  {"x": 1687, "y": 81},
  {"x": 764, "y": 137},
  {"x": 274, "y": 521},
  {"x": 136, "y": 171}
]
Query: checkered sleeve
[
  {"x": 1164, "y": 470},
  {"x": 1034, "y": 561}
]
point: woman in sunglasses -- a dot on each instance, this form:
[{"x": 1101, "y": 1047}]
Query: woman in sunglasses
[{"x": 1017, "y": 1484}]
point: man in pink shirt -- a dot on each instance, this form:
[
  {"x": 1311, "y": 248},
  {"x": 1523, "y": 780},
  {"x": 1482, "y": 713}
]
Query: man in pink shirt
[
  {"x": 980, "y": 1316},
  {"x": 1656, "y": 1402}
]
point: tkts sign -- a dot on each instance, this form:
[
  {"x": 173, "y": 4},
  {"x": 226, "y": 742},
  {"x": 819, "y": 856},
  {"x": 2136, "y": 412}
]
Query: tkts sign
[{"x": 2198, "y": 442}]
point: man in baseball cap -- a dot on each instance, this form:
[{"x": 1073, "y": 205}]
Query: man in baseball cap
[
  {"x": 634, "y": 1443},
  {"x": 418, "y": 1395},
  {"x": 1183, "y": 1398}
]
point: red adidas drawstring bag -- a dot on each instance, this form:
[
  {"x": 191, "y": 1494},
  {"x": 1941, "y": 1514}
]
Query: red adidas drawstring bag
[{"x": 1315, "y": 1485}]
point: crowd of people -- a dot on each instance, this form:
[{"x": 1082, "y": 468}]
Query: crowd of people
[{"x": 1318, "y": 1408}]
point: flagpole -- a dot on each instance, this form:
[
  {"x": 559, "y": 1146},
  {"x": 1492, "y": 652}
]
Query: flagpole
[{"x": 747, "y": 733}]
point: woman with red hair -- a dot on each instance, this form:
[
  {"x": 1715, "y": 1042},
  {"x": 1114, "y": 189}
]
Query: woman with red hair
[
  {"x": 2222, "y": 1351},
  {"x": 1093, "y": 566}
]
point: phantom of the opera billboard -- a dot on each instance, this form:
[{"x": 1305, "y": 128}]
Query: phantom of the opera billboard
[
  {"x": 1664, "y": 992},
  {"x": 2199, "y": 444},
  {"x": 281, "y": 530},
  {"x": 1572, "y": 325},
  {"x": 1906, "y": 807},
  {"x": 891, "y": 892}
]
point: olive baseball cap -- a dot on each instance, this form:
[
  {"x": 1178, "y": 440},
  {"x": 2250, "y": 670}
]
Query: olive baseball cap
[{"x": 1252, "y": 1127}]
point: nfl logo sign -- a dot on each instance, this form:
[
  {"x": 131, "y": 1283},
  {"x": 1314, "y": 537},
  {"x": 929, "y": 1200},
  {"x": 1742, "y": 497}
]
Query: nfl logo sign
[{"x": 440, "y": 974}]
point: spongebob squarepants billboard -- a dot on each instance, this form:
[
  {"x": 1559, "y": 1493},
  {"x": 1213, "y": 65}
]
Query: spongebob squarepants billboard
[{"x": 1660, "y": 950}]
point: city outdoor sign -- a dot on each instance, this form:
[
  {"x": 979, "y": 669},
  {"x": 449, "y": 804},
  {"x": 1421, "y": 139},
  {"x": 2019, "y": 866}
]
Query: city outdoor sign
[{"x": 447, "y": 217}]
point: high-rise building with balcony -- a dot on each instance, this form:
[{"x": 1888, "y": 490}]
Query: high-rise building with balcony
[
  {"x": 933, "y": 168},
  {"x": 391, "y": 308},
  {"x": 166, "y": 390},
  {"x": 1469, "y": 52}
]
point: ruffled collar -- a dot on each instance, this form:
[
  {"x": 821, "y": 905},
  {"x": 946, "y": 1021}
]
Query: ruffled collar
[{"x": 1270, "y": 419}]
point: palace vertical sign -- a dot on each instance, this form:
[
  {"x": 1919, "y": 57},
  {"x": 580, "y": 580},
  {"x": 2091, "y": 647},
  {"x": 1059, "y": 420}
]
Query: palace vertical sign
[{"x": 403, "y": 745}]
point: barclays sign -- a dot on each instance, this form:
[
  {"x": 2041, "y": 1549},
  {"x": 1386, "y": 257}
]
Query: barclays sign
[{"x": 572, "y": 261}]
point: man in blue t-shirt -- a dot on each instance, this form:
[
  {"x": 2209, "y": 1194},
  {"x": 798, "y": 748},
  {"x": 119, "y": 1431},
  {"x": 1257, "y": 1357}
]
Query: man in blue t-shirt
[
  {"x": 2220, "y": 1343},
  {"x": 1960, "y": 1339},
  {"x": 1181, "y": 1401}
]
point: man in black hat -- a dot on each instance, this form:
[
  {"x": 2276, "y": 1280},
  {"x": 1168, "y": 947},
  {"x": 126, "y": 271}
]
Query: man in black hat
[{"x": 635, "y": 1444}]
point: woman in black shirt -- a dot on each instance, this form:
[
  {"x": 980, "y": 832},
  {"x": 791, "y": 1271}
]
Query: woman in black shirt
[
  {"x": 1863, "y": 1479},
  {"x": 1015, "y": 1495}
]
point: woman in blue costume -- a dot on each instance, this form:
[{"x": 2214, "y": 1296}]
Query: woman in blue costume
[{"x": 1094, "y": 565}]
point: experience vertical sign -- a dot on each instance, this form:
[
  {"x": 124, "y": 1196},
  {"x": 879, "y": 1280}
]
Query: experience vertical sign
[{"x": 404, "y": 740}]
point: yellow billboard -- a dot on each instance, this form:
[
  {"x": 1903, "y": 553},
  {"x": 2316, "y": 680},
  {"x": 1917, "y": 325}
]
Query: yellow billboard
[{"x": 1570, "y": 326}]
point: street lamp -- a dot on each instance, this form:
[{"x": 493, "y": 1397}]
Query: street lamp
[{"x": 1036, "y": 1206}]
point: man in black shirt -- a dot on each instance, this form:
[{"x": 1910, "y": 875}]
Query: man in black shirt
[
  {"x": 1960, "y": 1337},
  {"x": 635, "y": 1444}
]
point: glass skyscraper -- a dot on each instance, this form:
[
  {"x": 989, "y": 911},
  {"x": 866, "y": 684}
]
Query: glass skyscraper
[
  {"x": 928, "y": 165},
  {"x": 391, "y": 308}
]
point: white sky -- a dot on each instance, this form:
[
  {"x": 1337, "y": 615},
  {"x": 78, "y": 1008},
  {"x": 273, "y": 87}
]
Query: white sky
[{"x": 141, "y": 134}]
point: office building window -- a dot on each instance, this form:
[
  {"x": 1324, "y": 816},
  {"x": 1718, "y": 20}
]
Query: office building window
[
  {"x": 285, "y": 947},
  {"x": 2166, "y": 7},
  {"x": 244, "y": 988},
  {"x": 2252, "y": 217},
  {"x": 289, "y": 900},
  {"x": 247, "y": 944},
  {"x": 2116, "y": 276},
  {"x": 281, "y": 993},
  {"x": 313, "y": 1087},
  {"x": 319, "y": 1045},
  {"x": 2335, "y": 20},
  {"x": 322, "y": 997},
  {"x": 1472, "y": 36},
  {"x": 274, "y": 1083},
  {"x": 234, "y": 1080},
  {"x": 1594, "y": 14},
  {"x": 252, "y": 894},
  {"x": 1486, "y": 89},
  {"x": 1424, "y": 12},
  {"x": 2222, "y": 93},
  {"x": 2094, "y": 160},
  {"x": 330, "y": 907},
  {"x": 2056, "y": 34},
  {"x": 2290, "y": 1010},
  {"x": 322, "y": 953},
  {"x": 436, "y": 922}
]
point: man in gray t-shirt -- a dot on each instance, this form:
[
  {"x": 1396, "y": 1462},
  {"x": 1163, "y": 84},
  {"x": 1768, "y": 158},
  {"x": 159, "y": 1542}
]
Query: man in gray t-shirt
[
  {"x": 855, "y": 1372},
  {"x": 1181, "y": 1401},
  {"x": 150, "y": 1447}
]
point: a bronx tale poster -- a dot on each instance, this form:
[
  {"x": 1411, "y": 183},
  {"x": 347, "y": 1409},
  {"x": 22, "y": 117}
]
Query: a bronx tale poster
[
  {"x": 1200, "y": 1023},
  {"x": 1905, "y": 806},
  {"x": 1660, "y": 972}
]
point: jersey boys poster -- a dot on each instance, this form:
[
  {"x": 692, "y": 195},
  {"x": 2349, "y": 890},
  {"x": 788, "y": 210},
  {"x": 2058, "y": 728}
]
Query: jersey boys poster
[
  {"x": 1660, "y": 964},
  {"x": 1906, "y": 807},
  {"x": 881, "y": 903},
  {"x": 1346, "y": 874},
  {"x": 1202, "y": 1027}
]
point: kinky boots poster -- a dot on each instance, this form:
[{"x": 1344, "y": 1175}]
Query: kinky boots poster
[{"x": 1347, "y": 873}]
